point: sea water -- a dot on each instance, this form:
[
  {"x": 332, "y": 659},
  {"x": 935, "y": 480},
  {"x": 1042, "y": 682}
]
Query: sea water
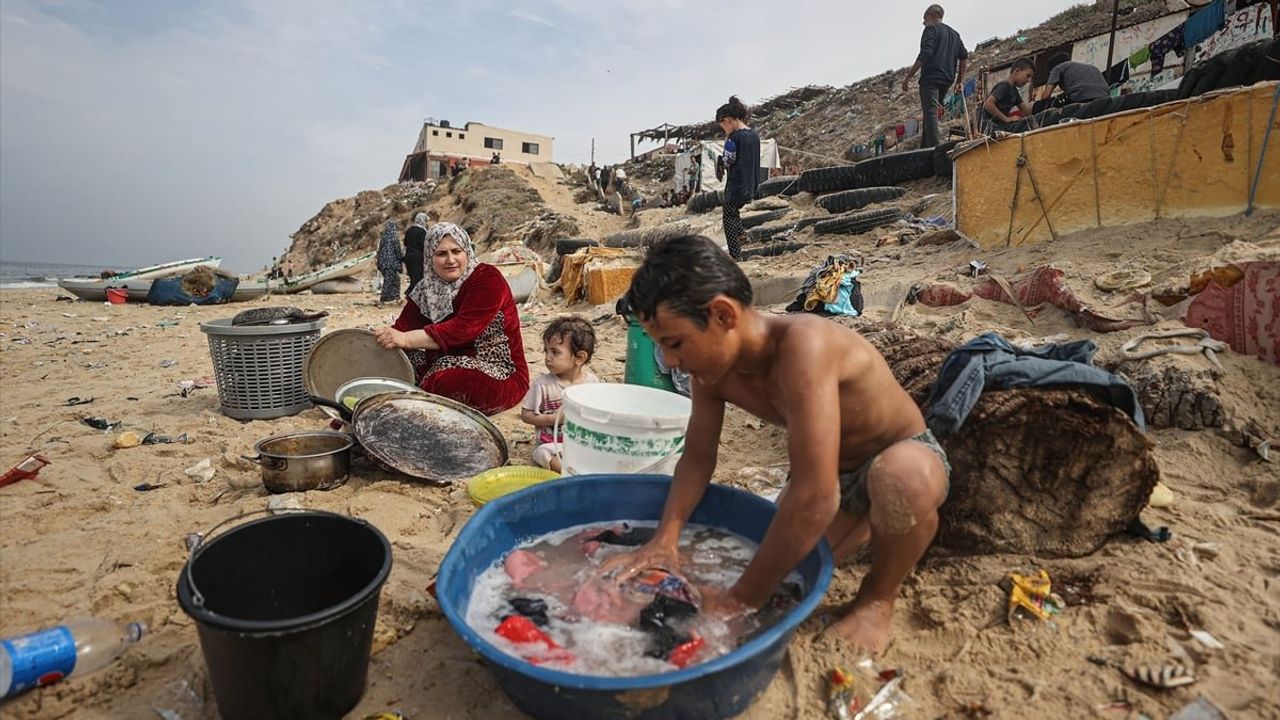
[
  {"x": 15, "y": 275},
  {"x": 711, "y": 558}
]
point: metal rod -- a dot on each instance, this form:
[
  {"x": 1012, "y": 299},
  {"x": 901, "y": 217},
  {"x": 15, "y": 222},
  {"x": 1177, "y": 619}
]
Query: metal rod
[{"x": 1111, "y": 43}]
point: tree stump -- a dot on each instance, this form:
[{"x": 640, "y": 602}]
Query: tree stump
[{"x": 1053, "y": 473}]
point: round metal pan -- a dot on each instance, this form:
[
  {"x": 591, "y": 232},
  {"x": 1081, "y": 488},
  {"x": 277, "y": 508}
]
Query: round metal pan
[
  {"x": 350, "y": 393},
  {"x": 344, "y": 355},
  {"x": 427, "y": 437}
]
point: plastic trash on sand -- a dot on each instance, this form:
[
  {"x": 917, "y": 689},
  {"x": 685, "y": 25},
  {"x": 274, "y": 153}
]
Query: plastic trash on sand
[
  {"x": 202, "y": 471},
  {"x": 1032, "y": 596},
  {"x": 866, "y": 693},
  {"x": 28, "y": 467}
]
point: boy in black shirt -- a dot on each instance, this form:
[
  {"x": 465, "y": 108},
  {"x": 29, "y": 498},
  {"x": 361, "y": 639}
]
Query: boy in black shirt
[
  {"x": 942, "y": 61},
  {"x": 1005, "y": 100}
]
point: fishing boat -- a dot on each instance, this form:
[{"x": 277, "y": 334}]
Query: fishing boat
[
  {"x": 96, "y": 288},
  {"x": 346, "y": 268}
]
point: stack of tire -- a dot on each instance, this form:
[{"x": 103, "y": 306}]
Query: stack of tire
[
  {"x": 1248, "y": 64},
  {"x": 885, "y": 170}
]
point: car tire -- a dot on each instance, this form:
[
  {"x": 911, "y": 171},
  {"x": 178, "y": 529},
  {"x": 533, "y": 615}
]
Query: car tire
[
  {"x": 847, "y": 200},
  {"x": 858, "y": 222}
]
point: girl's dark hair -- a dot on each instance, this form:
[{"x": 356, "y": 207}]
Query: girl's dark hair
[
  {"x": 686, "y": 273},
  {"x": 733, "y": 109},
  {"x": 574, "y": 331}
]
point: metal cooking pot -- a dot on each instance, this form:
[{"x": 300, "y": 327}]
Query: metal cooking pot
[{"x": 301, "y": 461}]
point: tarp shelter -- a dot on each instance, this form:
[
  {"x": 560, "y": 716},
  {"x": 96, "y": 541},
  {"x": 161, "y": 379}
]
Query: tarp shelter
[{"x": 712, "y": 152}]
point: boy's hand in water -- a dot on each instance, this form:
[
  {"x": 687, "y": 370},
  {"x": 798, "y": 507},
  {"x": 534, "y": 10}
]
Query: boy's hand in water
[
  {"x": 721, "y": 603},
  {"x": 653, "y": 554}
]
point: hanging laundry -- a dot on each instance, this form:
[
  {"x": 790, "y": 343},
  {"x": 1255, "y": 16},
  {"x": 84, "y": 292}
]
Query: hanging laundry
[
  {"x": 1170, "y": 42},
  {"x": 1140, "y": 57},
  {"x": 1119, "y": 73},
  {"x": 899, "y": 130},
  {"x": 1204, "y": 23},
  {"x": 970, "y": 86},
  {"x": 913, "y": 127}
]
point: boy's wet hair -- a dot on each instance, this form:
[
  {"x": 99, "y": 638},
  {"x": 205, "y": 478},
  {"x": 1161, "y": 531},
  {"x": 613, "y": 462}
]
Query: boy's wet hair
[
  {"x": 733, "y": 109},
  {"x": 575, "y": 331},
  {"x": 1022, "y": 64},
  {"x": 1058, "y": 59},
  {"x": 686, "y": 273}
]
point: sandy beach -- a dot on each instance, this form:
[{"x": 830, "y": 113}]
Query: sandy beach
[{"x": 80, "y": 540}]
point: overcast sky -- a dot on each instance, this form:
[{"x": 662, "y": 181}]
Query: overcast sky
[{"x": 136, "y": 132}]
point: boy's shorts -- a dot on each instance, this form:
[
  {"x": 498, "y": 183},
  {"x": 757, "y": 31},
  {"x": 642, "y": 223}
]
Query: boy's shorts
[
  {"x": 543, "y": 453},
  {"x": 853, "y": 485}
]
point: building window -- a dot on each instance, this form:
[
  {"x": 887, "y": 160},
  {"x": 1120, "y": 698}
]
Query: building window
[
  {"x": 462, "y": 136},
  {"x": 448, "y": 135},
  {"x": 435, "y": 133},
  {"x": 493, "y": 143},
  {"x": 529, "y": 148}
]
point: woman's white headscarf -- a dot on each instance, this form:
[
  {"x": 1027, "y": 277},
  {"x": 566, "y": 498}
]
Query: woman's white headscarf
[
  {"x": 420, "y": 220},
  {"x": 434, "y": 296}
]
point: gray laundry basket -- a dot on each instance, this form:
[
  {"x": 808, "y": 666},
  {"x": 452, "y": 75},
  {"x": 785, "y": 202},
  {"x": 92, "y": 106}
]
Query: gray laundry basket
[{"x": 259, "y": 368}]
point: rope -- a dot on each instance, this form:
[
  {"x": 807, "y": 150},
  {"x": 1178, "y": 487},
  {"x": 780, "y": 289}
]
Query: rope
[
  {"x": 1013, "y": 203},
  {"x": 1039, "y": 198},
  {"x": 1262, "y": 155},
  {"x": 839, "y": 161}
]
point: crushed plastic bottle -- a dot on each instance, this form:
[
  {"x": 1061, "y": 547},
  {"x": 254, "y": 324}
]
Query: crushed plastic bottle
[
  {"x": 77, "y": 647},
  {"x": 28, "y": 467}
]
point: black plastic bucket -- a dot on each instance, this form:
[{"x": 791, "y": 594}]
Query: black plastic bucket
[{"x": 285, "y": 608}]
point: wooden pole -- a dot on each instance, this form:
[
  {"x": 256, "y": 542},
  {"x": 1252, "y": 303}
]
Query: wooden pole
[
  {"x": 1111, "y": 43},
  {"x": 593, "y": 151}
]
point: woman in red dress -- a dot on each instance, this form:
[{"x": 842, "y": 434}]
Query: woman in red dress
[{"x": 461, "y": 328}]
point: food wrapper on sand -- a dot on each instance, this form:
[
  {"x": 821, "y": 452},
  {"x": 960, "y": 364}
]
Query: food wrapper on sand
[{"x": 1033, "y": 595}]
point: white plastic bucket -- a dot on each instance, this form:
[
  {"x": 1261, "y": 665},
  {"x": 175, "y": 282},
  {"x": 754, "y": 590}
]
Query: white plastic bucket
[{"x": 615, "y": 428}]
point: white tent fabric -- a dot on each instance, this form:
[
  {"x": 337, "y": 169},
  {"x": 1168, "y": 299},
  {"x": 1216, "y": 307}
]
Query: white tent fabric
[{"x": 711, "y": 151}]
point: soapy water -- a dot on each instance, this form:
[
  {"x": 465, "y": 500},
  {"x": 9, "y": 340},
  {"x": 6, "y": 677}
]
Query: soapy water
[{"x": 568, "y": 616}]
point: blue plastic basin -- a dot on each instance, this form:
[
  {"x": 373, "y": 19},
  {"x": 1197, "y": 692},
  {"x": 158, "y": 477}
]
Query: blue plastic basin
[{"x": 720, "y": 688}]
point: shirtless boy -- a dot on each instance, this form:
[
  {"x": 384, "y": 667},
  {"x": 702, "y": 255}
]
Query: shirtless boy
[{"x": 864, "y": 467}]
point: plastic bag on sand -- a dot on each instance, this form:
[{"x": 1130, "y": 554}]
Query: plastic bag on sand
[{"x": 202, "y": 471}]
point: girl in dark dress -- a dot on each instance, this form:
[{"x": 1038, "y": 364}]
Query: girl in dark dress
[{"x": 742, "y": 162}]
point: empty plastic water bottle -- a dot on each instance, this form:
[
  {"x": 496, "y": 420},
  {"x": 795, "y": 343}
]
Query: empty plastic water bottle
[{"x": 77, "y": 647}]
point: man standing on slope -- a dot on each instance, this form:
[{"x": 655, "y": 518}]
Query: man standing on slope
[{"x": 940, "y": 50}]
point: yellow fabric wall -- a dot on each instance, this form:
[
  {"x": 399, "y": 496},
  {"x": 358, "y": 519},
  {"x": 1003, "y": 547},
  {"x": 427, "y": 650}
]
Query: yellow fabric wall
[{"x": 1193, "y": 157}]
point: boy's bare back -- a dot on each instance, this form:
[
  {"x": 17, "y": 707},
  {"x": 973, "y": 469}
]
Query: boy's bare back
[{"x": 807, "y": 359}]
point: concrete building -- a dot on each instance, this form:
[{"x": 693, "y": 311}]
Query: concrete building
[{"x": 440, "y": 144}]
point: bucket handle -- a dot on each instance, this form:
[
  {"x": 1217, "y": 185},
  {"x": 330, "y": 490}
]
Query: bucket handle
[
  {"x": 555, "y": 437},
  {"x": 196, "y": 546}
]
